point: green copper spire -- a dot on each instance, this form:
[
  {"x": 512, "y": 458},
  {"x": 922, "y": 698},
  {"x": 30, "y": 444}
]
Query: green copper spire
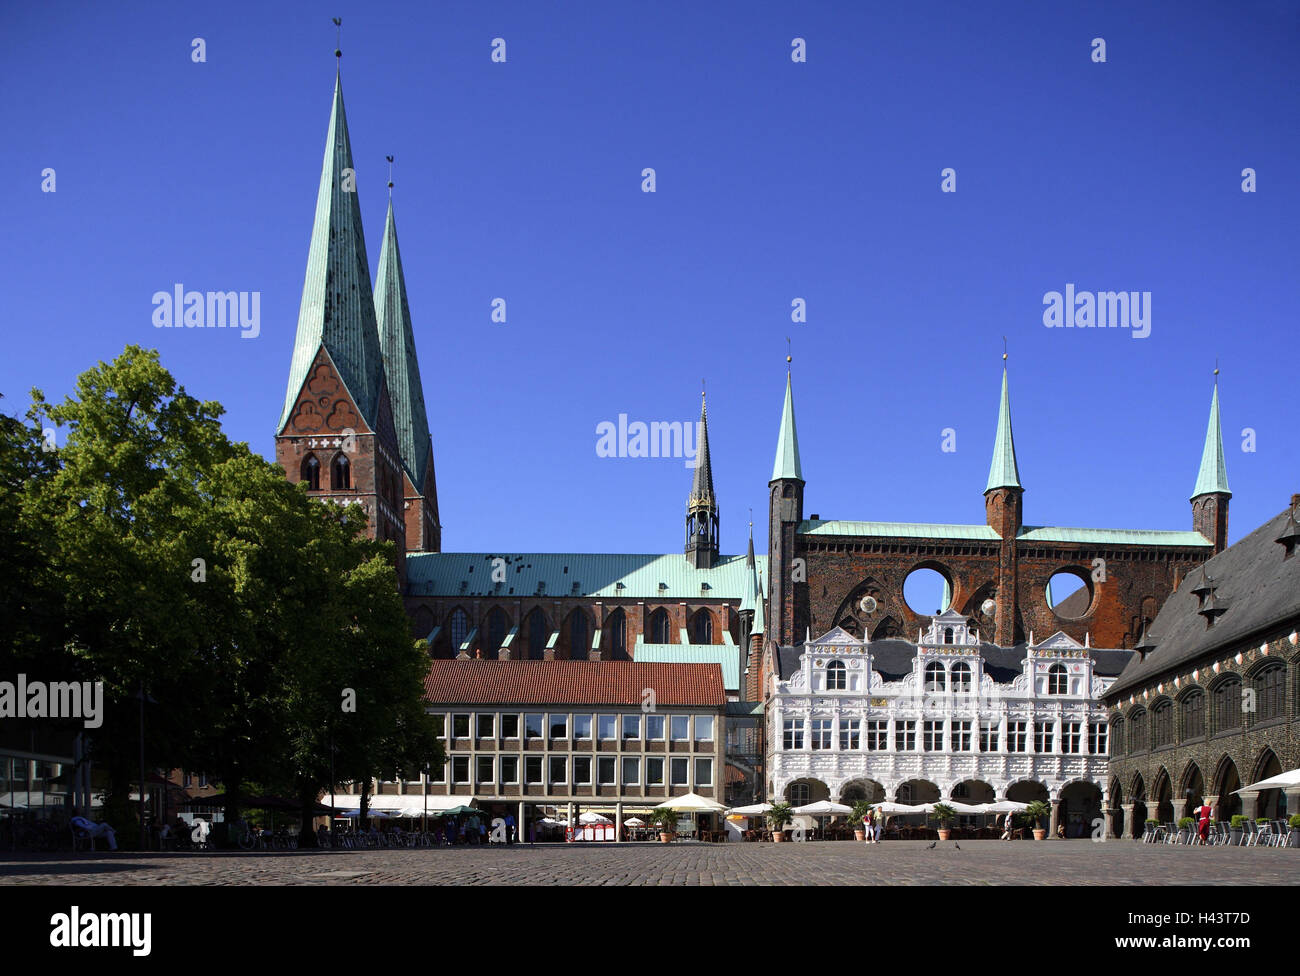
[
  {"x": 787, "y": 441},
  {"x": 1003, "y": 472},
  {"x": 401, "y": 368},
  {"x": 751, "y": 576},
  {"x": 1213, "y": 477},
  {"x": 338, "y": 309},
  {"x": 760, "y": 623}
]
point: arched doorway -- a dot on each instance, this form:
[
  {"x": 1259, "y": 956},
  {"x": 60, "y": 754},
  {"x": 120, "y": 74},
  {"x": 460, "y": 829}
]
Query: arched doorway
[
  {"x": 973, "y": 791},
  {"x": 1080, "y": 808},
  {"x": 1226, "y": 781},
  {"x": 916, "y": 791},
  {"x": 1162, "y": 797},
  {"x": 1027, "y": 791},
  {"x": 859, "y": 790},
  {"x": 1192, "y": 789},
  {"x": 1272, "y": 803},
  {"x": 1138, "y": 795},
  {"x": 1117, "y": 805}
]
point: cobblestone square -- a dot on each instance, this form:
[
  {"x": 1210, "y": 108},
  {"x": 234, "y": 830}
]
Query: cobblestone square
[{"x": 844, "y": 863}]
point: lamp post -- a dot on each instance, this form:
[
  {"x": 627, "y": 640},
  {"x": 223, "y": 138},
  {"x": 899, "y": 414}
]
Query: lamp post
[
  {"x": 424, "y": 788},
  {"x": 142, "y": 698}
]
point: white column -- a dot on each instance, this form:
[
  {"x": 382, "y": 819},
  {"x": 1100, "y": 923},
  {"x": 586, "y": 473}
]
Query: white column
[{"x": 618, "y": 822}]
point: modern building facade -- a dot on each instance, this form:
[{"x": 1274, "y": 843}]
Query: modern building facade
[
  {"x": 1210, "y": 702},
  {"x": 949, "y": 717}
]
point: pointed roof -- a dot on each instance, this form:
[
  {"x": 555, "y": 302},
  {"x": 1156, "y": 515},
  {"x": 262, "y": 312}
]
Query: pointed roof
[
  {"x": 1213, "y": 476},
  {"x": 337, "y": 308},
  {"x": 787, "y": 441},
  {"x": 401, "y": 368},
  {"x": 751, "y": 576},
  {"x": 760, "y": 620},
  {"x": 1003, "y": 472},
  {"x": 702, "y": 484}
]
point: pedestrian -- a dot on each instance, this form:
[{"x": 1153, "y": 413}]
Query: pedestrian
[
  {"x": 880, "y": 827},
  {"x": 1006, "y": 825},
  {"x": 1203, "y": 822}
]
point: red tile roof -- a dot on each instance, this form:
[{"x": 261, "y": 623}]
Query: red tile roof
[{"x": 474, "y": 682}]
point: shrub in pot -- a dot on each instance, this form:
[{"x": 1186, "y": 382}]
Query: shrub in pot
[
  {"x": 666, "y": 821},
  {"x": 1185, "y": 827},
  {"x": 944, "y": 816},
  {"x": 1293, "y": 839},
  {"x": 1035, "y": 813},
  {"x": 1235, "y": 827},
  {"x": 780, "y": 815}
]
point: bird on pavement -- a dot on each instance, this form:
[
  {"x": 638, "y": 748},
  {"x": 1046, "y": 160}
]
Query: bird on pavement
[
  {"x": 932, "y": 845},
  {"x": 956, "y": 845}
]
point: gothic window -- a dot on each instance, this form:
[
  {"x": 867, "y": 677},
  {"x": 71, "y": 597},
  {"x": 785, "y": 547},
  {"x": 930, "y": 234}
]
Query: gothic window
[
  {"x": 1162, "y": 724},
  {"x": 1117, "y": 734},
  {"x": 659, "y": 627},
  {"x": 702, "y": 628},
  {"x": 1226, "y": 713},
  {"x": 340, "y": 474},
  {"x": 615, "y": 635},
  {"x": 310, "y": 472},
  {"x": 459, "y": 629},
  {"x": 1138, "y": 738},
  {"x": 496, "y": 628},
  {"x": 836, "y": 676},
  {"x": 538, "y": 634},
  {"x": 1270, "y": 695},
  {"x": 788, "y": 492},
  {"x": 947, "y": 635},
  {"x": 1058, "y": 682},
  {"x": 961, "y": 678},
  {"x": 1193, "y": 712},
  {"x": 579, "y": 639},
  {"x": 936, "y": 678}
]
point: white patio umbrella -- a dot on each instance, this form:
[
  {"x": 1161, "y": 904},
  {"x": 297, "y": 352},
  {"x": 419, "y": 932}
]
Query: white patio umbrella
[
  {"x": 1290, "y": 778},
  {"x": 1002, "y": 806},
  {"x": 963, "y": 808},
  {"x": 753, "y": 810},
  {"x": 891, "y": 809},
  {"x": 633, "y": 822},
  {"x": 691, "y": 803},
  {"x": 822, "y": 808},
  {"x": 594, "y": 818}
]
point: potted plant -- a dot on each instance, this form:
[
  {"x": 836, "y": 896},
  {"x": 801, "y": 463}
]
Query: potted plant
[
  {"x": 666, "y": 821},
  {"x": 860, "y": 810},
  {"x": 945, "y": 816},
  {"x": 780, "y": 815},
  {"x": 1293, "y": 838},
  {"x": 1034, "y": 813},
  {"x": 1185, "y": 830},
  {"x": 1235, "y": 828}
]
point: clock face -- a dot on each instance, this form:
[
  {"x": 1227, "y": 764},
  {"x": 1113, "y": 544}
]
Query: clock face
[{"x": 988, "y": 607}]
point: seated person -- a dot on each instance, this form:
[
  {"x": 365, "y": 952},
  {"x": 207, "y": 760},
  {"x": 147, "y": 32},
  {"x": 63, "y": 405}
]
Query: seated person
[{"x": 91, "y": 829}]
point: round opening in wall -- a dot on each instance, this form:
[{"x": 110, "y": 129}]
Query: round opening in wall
[
  {"x": 927, "y": 591},
  {"x": 1069, "y": 594}
]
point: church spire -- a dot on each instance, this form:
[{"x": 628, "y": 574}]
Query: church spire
[
  {"x": 337, "y": 309},
  {"x": 787, "y": 466},
  {"x": 1003, "y": 471},
  {"x": 1211, "y": 494},
  {"x": 702, "y": 504},
  {"x": 405, "y": 389}
]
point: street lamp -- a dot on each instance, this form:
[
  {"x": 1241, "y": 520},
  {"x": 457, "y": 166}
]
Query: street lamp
[{"x": 143, "y": 699}]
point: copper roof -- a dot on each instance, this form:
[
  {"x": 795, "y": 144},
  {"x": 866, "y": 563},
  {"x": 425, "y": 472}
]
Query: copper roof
[{"x": 453, "y": 682}]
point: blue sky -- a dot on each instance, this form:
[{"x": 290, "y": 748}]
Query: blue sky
[{"x": 775, "y": 181}]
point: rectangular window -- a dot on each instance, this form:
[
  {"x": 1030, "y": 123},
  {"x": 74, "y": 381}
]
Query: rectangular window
[
  {"x": 439, "y": 775},
  {"x": 988, "y": 736},
  {"x": 877, "y": 735},
  {"x": 460, "y": 769},
  {"x": 486, "y": 725},
  {"x": 1097, "y": 738},
  {"x": 703, "y": 772},
  {"x": 631, "y": 726},
  {"x": 1070, "y": 737},
  {"x": 440, "y": 725},
  {"x": 680, "y": 728},
  {"x": 582, "y": 770},
  {"x": 559, "y": 725},
  {"x": 821, "y": 733},
  {"x": 631, "y": 771},
  {"x": 510, "y": 769},
  {"x": 1044, "y": 737},
  {"x": 1015, "y": 736},
  {"x": 654, "y": 728},
  {"x": 483, "y": 772},
  {"x": 533, "y": 725},
  {"x": 654, "y": 771},
  {"x": 460, "y": 726},
  {"x": 961, "y": 735},
  {"x": 905, "y": 735},
  {"x": 932, "y": 735},
  {"x": 509, "y": 726},
  {"x": 582, "y": 727},
  {"x": 605, "y": 771},
  {"x": 849, "y": 736},
  {"x": 605, "y": 726},
  {"x": 703, "y": 728},
  {"x": 559, "y": 771},
  {"x": 681, "y": 771},
  {"x": 793, "y": 734},
  {"x": 532, "y": 769}
]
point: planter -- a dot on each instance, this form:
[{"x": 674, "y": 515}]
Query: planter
[
  {"x": 861, "y": 835},
  {"x": 944, "y": 833},
  {"x": 1234, "y": 836},
  {"x": 665, "y": 838},
  {"x": 778, "y": 836},
  {"x": 1184, "y": 835},
  {"x": 1293, "y": 840},
  {"x": 1039, "y": 834}
]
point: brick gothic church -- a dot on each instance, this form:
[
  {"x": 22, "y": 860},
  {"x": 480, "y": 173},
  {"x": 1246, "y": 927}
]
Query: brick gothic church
[{"x": 355, "y": 430}]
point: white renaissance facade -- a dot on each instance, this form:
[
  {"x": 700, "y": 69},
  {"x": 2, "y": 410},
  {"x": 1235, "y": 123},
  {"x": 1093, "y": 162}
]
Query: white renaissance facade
[{"x": 946, "y": 729}]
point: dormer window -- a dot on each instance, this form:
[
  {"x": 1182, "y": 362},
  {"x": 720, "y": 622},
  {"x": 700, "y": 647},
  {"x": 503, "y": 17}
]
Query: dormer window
[
  {"x": 936, "y": 677},
  {"x": 947, "y": 635},
  {"x": 836, "y": 676},
  {"x": 1058, "y": 681}
]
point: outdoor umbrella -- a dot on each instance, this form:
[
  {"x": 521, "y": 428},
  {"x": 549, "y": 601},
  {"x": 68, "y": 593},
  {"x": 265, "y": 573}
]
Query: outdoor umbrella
[
  {"x": 1002, "y": 806},
  {"x": 1280, "y": 781},
  {"x": 594, "y": 818},
  {"x": 822, "y": 808},
  {"x": 633, "y": 822},
  {"x": 753, "y": 810},
  {"x": 691, "y": 803},
  {"x": 897, "y": 809},
  {"x": 964, "y": 808}
]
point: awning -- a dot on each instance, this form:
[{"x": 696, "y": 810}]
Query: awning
[
  {"x": 1279, "y": 782},
  {"x": 408, "y": 805}
]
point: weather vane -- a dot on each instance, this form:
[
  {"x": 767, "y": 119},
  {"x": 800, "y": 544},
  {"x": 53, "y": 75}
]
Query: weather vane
[
  {"x": 390, "y": 174},
  {"x": 788, "y": 357},
  {"x": 1004, "y": 349},
  {"x": 338, "y": 37}
]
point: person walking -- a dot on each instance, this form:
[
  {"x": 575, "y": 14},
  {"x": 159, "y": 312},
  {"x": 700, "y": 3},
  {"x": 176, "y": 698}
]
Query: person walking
[
  {"x": 1006, "y": 827},
  {"x": 1203, "y": 822},
  {"x": 868, "y": 828},
  {"x": 880, "y": 827},
  {"x": 510, "y": 828}
]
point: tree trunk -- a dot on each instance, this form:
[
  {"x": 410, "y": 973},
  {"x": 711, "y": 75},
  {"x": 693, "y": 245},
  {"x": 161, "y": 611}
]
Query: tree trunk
[{"x": 307, "y": 796}]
